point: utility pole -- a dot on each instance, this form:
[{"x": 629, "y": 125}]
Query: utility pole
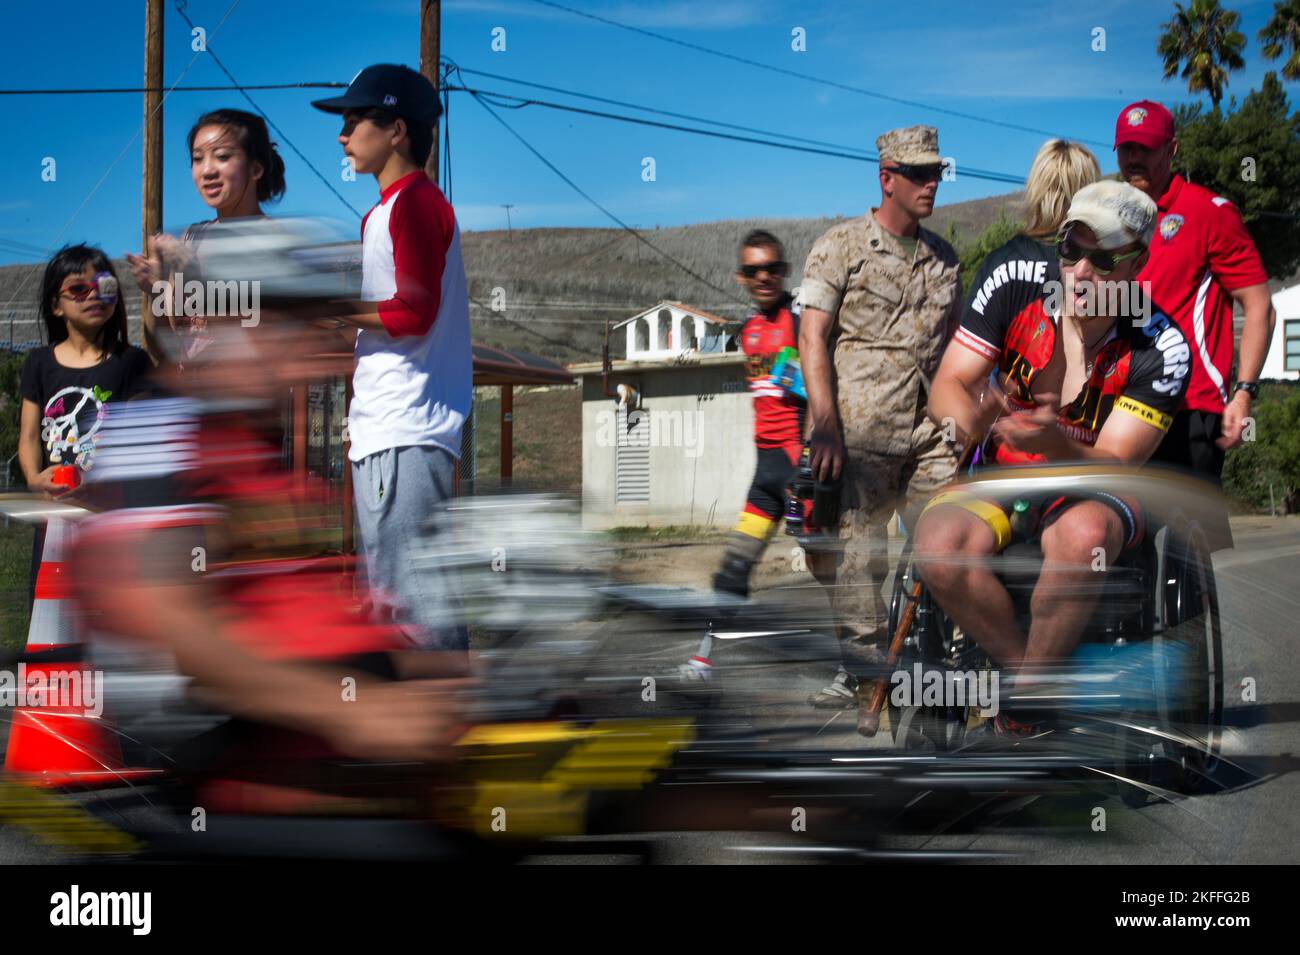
[
  {"x": 430, "y": 53},
  {"x": 510, "y": 234},
  {"x": 151, "y": 217}
]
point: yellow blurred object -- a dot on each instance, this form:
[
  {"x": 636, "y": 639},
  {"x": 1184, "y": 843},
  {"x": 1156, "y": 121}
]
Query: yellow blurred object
[
  {"x": 534, "y": 780},
  {"x": 60, "y": 822}
]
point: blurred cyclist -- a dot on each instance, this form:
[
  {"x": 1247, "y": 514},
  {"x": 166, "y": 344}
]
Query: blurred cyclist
[{"x": 201, "y": 556}]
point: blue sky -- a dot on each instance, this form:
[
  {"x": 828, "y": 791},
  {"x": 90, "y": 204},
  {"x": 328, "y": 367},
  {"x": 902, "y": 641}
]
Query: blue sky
[{"x": 1027, "y": 63}]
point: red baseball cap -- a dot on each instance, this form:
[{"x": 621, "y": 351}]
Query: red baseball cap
[{"x": 1146, "y": 123}]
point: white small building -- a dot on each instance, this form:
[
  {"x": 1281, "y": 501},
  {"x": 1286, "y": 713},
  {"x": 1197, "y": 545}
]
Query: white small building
[
  {"x": 670, "y": 329},
  {"x": 1283, "y": 361},
  {"x": 668, "y": 434}
]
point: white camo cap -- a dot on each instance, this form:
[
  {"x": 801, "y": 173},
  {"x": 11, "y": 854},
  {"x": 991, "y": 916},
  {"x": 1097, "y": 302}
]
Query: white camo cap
[{"x": 1116, "y": 212}]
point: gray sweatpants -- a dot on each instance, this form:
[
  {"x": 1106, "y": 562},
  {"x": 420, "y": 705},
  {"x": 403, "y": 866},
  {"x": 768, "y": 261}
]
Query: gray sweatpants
[{"x": 396, "y": 492}]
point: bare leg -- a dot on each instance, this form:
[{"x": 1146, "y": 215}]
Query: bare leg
[
  {"x": 1068, "y": 587},
  {"x": 952, "y": 549}
]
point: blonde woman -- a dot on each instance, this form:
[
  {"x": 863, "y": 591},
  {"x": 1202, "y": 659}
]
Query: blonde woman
[
  {"x": 1019, "y": 273},
  {"x": 1014, "y": 275}
]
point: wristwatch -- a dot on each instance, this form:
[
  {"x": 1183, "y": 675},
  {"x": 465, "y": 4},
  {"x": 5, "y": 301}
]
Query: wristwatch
[{"x": 1249, "y": 387}]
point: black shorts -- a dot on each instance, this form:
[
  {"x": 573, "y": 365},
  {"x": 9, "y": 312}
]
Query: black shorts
[
  {"x": 772, "y": 475},
  {"x": 1189, "y": 444}
]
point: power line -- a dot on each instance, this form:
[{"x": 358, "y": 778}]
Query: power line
[
  {"x": 805, "y": 76},
  {"x": 118, "y": 158},
  {"x": 839, "y": 153},
  {"x": 603, "y": 306},
  {"x": 180, "y": 8},
  {"x": 649, "y": 109},
  {"x": 174, "y": 89},
  {"x": 524, "y": 326},
  {"x": 13, "y": 245},
  {"x": 578, "y": 189}
]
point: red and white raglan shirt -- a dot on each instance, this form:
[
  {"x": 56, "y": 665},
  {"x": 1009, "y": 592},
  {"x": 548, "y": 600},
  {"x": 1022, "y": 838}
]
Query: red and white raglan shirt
[
  {"x": 1200, "y": 254},
  {"x": 413, "y": 381}
]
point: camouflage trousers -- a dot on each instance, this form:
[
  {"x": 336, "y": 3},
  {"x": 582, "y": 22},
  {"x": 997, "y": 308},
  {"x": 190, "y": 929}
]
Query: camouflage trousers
[{"x": 854, "y": 570}]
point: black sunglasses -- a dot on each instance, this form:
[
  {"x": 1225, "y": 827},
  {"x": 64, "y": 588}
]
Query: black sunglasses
[
  {"x": 777, "y": 269},
  {"x": 1070, "y": 252},
  {"x": 932, "y": 172}
]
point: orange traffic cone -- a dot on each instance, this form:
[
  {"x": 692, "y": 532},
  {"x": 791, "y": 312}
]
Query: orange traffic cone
[{"x": 57, "y": 741}]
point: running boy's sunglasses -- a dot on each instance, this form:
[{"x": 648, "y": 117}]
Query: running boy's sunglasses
[
  {"x": 777, "y": 269},
  {"x": 1104, "y": 262},
  {"x": 103, "y": 287},
  {"x": 920, "y": 175}
]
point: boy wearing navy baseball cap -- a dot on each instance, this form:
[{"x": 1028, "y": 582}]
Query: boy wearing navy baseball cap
[{"x": 412, "y": 383}]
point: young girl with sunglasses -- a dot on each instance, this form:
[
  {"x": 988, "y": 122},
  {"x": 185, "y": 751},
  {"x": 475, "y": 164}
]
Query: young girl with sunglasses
[{"x": 87, "y": 363}]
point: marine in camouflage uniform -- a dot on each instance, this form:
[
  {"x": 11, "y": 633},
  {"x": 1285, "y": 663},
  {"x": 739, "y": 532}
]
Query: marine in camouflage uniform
[{"x": 894, "y": 301}]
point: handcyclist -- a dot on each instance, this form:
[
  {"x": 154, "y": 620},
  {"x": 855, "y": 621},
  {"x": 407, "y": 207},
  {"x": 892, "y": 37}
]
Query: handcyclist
[
  {"x": 1096, "y": 339},
  {"x": 200, "y": 561}
]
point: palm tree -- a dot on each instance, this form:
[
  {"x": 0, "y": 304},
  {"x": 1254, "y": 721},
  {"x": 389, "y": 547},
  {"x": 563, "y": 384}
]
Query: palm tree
[
  {"x": 1281, "y": 31},
  {"x": 1202, "y": 39}
]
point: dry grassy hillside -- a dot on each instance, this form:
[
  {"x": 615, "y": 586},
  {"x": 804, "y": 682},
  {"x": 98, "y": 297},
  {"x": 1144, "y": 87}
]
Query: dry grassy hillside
[{"x": 560, "y": 285}]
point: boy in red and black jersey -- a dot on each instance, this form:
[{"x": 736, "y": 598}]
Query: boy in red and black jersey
[
  {"x": 778, "y": 410},
  {"x": 770, "y": 339}
]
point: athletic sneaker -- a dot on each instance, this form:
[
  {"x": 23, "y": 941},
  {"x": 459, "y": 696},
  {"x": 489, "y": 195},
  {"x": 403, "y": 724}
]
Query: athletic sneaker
[
  {"x": 733, "y": 577},
  {"x": 839, "y": 694},
  {"x": 696, "y": 670}
]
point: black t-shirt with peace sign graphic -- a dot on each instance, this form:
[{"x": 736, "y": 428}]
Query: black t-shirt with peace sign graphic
[{"x": 72, "y": 400}]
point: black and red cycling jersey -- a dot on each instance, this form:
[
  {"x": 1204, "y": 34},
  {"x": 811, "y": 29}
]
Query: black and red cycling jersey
[
  {"x": 1010, "y": 277},
  {"x": 778, "y": 414},
  {"x": 1140, "y": 370}
]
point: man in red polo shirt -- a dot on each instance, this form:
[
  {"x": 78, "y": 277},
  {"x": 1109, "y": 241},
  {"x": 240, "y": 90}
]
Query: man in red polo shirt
[{"x": 1202, "y": 260}]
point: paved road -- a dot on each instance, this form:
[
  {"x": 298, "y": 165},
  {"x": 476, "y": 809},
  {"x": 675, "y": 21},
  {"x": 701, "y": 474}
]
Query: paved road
[{"x": 1256, "y": 819}]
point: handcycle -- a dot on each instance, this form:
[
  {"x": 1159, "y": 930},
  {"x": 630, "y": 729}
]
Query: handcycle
[{"x": 1145, "y": 688}]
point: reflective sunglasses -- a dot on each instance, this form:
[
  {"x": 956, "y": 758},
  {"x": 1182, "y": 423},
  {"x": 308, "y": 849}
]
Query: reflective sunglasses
[
  {"x": 103, "y": 286},
  {"x": 1104, "y": 262},
  {"x": 920, "y": 175},
  {"x": 777, "y": 269}
]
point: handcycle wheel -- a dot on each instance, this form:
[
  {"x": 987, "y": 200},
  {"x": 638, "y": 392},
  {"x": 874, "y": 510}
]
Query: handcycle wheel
[
  {"x": 922, "y": 728},
  {"x": 1189, "y": 648},
  {"x": 1182, "y": 751}
]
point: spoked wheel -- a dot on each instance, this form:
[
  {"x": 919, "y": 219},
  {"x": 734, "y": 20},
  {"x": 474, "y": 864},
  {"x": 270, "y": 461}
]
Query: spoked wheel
[
  {"x": 1189, "y": 647},
  {"x": 1177, "y": 746},
  {"x": 928, "y": 729},
  {"x": 929, "y": 641},
  {"x": 912, "y": 732}
]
